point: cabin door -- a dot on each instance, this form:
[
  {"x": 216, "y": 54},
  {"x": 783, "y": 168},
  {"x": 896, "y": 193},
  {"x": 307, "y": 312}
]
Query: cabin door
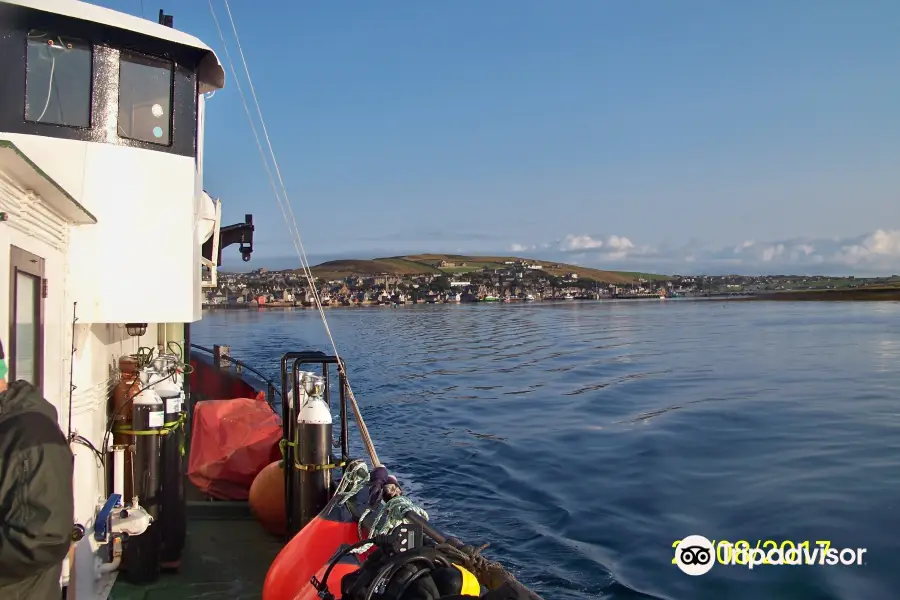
[{"x": 26, "y": 319}]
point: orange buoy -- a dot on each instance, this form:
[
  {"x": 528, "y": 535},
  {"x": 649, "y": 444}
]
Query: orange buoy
[{"x": 267, "y": 499}]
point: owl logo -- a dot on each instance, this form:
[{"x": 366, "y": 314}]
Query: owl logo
[{"x": 695, "y": 555}]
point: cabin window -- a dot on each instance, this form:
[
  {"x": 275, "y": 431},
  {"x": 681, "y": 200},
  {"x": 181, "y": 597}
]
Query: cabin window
[
  {"x": 26, "y": 323},
  {"x": 58, "y": 80},
  {"x": 145, "y": 98}
]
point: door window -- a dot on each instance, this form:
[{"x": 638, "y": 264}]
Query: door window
[{"x": 26, "y": 323}]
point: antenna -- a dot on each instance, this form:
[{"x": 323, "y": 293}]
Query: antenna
[{"x": 167, "y": 20}]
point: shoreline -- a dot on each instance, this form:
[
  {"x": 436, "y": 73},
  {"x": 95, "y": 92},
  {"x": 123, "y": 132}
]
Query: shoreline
[{"x": 845, "y": 295}]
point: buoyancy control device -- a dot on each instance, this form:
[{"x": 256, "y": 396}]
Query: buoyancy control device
[{"x": 405, "y": 566}]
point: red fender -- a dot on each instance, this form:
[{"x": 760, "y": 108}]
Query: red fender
[{"x": 306, "y": 555}]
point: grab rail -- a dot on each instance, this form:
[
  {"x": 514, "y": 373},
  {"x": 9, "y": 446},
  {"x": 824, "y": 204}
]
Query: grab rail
[{"x": 272, "y": 388}]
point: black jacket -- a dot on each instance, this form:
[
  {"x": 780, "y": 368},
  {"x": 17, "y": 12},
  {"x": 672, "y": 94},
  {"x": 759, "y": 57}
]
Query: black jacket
[{"x": 36, "y": 504}]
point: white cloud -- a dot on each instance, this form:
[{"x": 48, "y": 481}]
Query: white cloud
[
  {"x": 579, "y": 242},
  {"x": 613, "y": 248},
  {"x": 619, "y": 243},
  {"x": 876, "y": 246},
  {"x": 614, "y": 243},
  {"x": 520, "y": 248},
  {"x": 875, "y": 253}
]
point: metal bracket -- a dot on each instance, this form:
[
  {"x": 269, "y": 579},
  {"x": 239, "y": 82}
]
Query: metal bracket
[
  {"x": 213, "y": 244},
  {"x": 240, "y": 233}
]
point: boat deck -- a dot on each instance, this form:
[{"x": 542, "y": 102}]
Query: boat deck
[{"x": 227, "y": 555}]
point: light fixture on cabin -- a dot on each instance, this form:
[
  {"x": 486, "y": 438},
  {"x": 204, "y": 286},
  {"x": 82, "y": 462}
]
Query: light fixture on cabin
[{"x": 136, "y": 329}]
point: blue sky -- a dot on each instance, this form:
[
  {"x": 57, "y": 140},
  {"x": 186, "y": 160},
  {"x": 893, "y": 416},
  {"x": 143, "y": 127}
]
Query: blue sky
[{"x": 673, "y": 136}]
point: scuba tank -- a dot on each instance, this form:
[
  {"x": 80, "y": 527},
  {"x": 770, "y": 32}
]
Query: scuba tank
[
  {"x": 128, "y": 386},
  {"x": 166, "y": 381},
  {"x": 140, "y": 557},
  {"x": 314, "y": 437}
]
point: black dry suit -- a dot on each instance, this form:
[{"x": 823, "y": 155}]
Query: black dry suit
[{"x": 36, "y": 506}]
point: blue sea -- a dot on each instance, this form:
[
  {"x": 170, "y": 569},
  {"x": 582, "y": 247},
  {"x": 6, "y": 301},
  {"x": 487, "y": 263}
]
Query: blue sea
[{"x": 582, "y": 439}]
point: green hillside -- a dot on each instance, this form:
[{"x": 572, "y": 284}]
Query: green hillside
[{"x": 453, "y": 264}]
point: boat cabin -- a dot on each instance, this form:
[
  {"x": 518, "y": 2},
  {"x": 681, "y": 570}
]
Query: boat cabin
[
  {"x": 103, "y": 216},
  {"x": 108, "y": 109}
]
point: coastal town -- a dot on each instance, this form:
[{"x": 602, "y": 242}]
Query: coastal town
[{"x": 511, "y": 281}]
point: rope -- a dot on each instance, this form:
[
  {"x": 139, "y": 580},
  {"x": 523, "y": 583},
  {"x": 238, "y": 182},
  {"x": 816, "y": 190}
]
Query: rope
[
  {"x": 489, "y": 573},
  {"x": 354, "y": 479},
  {"x": 292, "y": 224},
  {"x": 389, "y": 515}
]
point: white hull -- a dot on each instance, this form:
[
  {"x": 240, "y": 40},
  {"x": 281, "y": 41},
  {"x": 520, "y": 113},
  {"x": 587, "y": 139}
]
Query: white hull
[{"x": 97, "y": 346}]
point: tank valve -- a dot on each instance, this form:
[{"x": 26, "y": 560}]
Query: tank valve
[{"x": 131, "y": 522}]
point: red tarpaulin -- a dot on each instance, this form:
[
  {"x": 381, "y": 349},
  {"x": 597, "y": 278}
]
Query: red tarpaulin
[{"x": 231, "y": 442}]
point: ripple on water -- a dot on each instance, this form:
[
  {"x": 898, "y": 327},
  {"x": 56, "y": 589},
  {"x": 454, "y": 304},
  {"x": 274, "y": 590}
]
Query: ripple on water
[{"x": 581, "y": 439}]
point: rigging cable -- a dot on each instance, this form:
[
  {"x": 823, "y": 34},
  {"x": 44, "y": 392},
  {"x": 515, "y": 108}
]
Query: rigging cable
[{"x": 292, "y": 223}]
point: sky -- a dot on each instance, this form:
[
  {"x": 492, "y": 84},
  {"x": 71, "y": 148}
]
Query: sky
[{"x": 697, "y": 136}]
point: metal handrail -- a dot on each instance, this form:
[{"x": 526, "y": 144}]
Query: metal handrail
[{"x": 242, "y": 365}]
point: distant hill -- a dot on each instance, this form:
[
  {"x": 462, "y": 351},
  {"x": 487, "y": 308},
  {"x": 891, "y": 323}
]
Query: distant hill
[{"x": 423, "y": 264}]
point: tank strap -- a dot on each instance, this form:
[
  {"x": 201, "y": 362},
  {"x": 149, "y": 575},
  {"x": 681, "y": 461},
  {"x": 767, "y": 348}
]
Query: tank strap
[
  {"x": 333, "y": 465},
  {"x": 166, "y": 429},
  {"x": 282, "y": 445},
  {"x": 179, "y": 424}
]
